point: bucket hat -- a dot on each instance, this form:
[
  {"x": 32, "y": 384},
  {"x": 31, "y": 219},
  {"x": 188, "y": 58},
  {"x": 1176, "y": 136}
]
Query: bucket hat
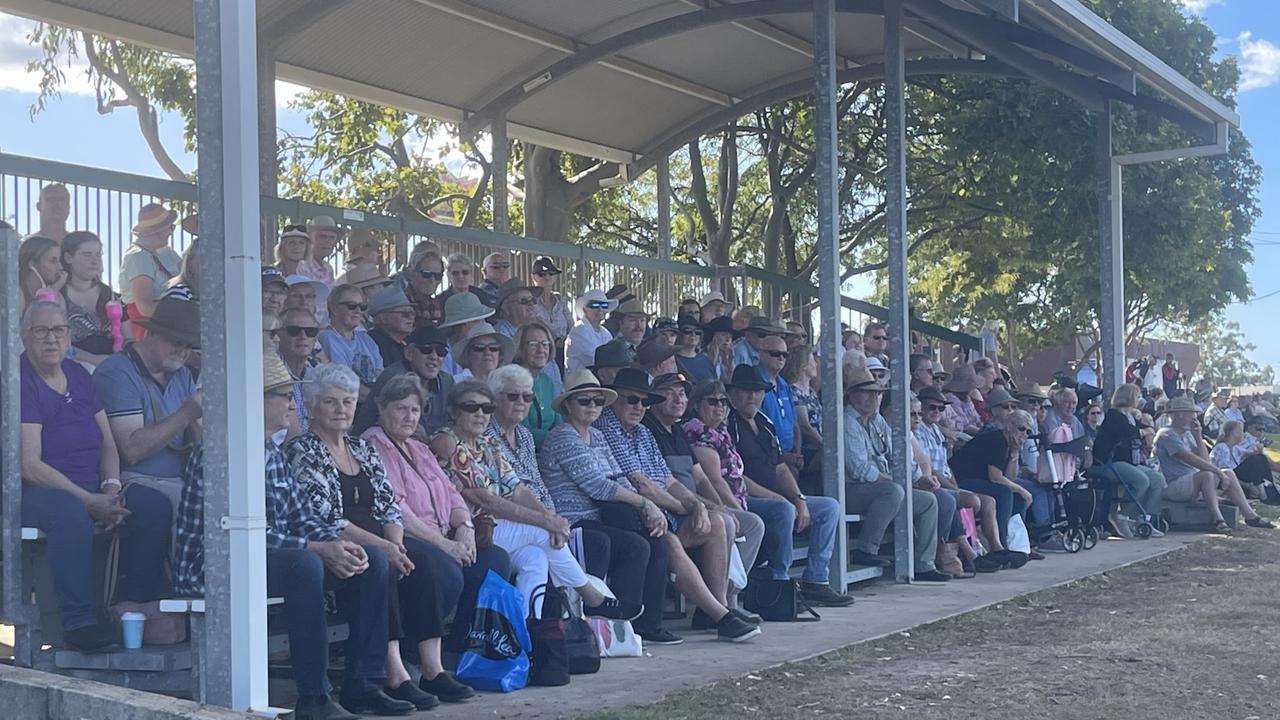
[
  {"x": 175, "y": 319},
  {"x": 463, "y": 308},
  {"x": 479, "y": 330}
]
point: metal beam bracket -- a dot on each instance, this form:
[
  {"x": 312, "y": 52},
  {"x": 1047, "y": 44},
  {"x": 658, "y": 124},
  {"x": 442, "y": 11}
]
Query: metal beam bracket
[{"x": 243, "y": 522}]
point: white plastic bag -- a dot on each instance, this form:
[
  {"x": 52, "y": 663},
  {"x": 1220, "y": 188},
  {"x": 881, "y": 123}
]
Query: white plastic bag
[
  {"x": 616, "y": 638},
  {"x": 737, "y": 573},
  {"x": 1019, "y": 539}
]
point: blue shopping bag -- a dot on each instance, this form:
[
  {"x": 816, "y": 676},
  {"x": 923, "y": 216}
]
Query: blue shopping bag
[{"x": 497, "y": 651}]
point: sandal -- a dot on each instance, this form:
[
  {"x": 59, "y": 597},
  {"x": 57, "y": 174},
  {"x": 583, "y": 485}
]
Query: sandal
[
  {"x": 1221, "y": 526},
  {"x": 1259, "y": 522}
]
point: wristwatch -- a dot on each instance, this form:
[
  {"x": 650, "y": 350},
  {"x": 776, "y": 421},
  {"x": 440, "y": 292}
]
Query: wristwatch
[{"x": 800, "y": 496}]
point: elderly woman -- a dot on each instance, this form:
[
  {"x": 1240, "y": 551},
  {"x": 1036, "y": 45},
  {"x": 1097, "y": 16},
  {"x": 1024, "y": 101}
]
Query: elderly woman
[
  {"x": 86, "y": 296},
  {"x": 70, "y": 486},
  {"x": 987, "y": 465},
  {"x": 1248, "y": 460},
  {"x": 346, "y": 483},
  {"x": 460, "y": 271},
  {"x": 480, "y": 351},
  {"x": 424, "y": 273},
  {"x": 534, "y": 346},
  {"x": 589, "y": 333},
  {"x": 534, "y": 536},
  {"x": 345, "y": 341},
  {"x": 1118, "y": 450},
  {"x": 439, "y": 535}
]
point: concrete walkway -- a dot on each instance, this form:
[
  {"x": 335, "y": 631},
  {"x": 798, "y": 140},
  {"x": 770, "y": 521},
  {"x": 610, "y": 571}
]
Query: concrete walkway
[{"x": 881, "y": 609}]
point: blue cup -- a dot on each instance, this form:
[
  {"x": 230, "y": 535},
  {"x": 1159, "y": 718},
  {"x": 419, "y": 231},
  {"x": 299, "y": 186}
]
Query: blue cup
[{"x": 131, "y": 627}]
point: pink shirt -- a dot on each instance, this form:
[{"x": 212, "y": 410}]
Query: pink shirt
[
  {"x": 318, "y": 270},
  {"x": 425, "y": 493}
]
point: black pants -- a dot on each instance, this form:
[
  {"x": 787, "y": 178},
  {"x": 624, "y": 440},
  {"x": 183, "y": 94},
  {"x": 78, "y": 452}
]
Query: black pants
[
  {"x": 422, "y": 600},
  {"x": 491, "y": 558},
  {"x": 1255, "y": 470},
  {"x": 634, "y": 565}
]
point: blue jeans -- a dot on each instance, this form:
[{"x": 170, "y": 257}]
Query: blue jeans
[
  {"x": 949, "y": 526},
  {"x": 1006, "y": 502},
  {"x": 144, "y": 547},
  {"x": 299, "y": 576},
  {"x": 1041, "y": 511},
  {"x": 779, "y": 518}
]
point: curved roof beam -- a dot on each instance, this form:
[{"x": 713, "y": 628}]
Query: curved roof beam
[{"x": 678, "y": 24}]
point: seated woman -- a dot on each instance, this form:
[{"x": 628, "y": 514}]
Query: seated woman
[
  {"x": 1248, "y": 460},
  {"x": 70, "y": 485},
  {"x": 1118, "y": 447},
  {"x": 346, "y": 483},
  {"x": 534, "y": 347},
  {"x": 438, "y": 531},
  {"x": 86, "y": 297},
  {"x": 987, "y": 465},
  {"x": 533, "y": 536}
]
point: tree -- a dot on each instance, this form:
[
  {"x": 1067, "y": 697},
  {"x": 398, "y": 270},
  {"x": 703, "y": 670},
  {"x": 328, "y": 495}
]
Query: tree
[{"x": 1224, "y": 352}]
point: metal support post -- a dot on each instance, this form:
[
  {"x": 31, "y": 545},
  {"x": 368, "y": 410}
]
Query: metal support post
[
  {"x": 826, "y": 176},
  {"x": 235, "y": 649},
  {"x": 11, "y": 603},
  {"x": 268, "y": 161},
  {"x": 664, "y": 226},
  {"x": 899, "y": 332},
  {"x": 498, "y": 178},
  {"x": 1111, "y": 319}
]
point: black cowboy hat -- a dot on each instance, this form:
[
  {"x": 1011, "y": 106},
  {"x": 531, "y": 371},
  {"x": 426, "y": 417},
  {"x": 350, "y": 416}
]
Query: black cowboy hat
[
  {"x": 634, "y": 380},
  {"x": 719, "y": 324},
  {"x": 612, "y": 354},
  {"x": 747, "y": 377},
  {"x": 652, "y": 352}
]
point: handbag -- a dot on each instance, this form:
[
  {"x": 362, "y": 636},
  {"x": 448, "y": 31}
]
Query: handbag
[
  {"x": 776, "y": 600},
  {"x": 623, "y": 517},
  {"x": 496, "y": 657},
  {"x": 549, "y": 656},
  {"x": 584, "y": 651}
]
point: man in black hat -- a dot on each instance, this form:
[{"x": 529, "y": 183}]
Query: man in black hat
[
  {"x": 424, "y": 352},
  {"x": 609, "y": 359},
  {"x": 151, "y": 400},
  {"x": 775, "y": 496},
  {"x": 655, "y": 357}
]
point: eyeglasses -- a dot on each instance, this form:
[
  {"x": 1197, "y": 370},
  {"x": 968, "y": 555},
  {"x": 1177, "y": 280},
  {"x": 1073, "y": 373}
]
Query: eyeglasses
[
  {"x": 437, "y": 349},
  {"x": 538, "y": 345},
  {"x": 915, "y": 414},
  {"x": 720, "y": 401},
  {"x": 517, "y": 397},
  {"x": 589, "y": 401},
  {"x": 494, "y": 348},
  {"x": 597, "y": 305},
  {"x": 296, "y": 330},
  {"x": 42, "y": 332},
  {"x": 430, "y": 275},
  {"x": 475, "y": 407},
  {"x": 779, "y": 354},
  {"x": 355, "y": 306},
  {"x": 637, "y": 400}
]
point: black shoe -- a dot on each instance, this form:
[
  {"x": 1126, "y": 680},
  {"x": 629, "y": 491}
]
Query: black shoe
[
  {"x": 1259, "y": 522},
  {"x": 858, "y": 557},
  {"x": 661, "y": 636},
  {"x": 746, "y": 616},
  {"x": 822, "y": 595},
  {"x": 321, "y": 707},
  {"x": 445, "y": 687},
  {"x": 370, "y": 700},
  {"x": 96, "y": 638},
  {"x": 1270, "y": 494},
  {"x": 987, "y": 564},
  {"x": 702, "y": 621},
  {"x": 732, "y": 628},
  {"x": 1012, "y": 559},
  {"x": 932, "y": 576},
  {"x": 613, "y": 609},
  {"x": 409, "y": 692}
]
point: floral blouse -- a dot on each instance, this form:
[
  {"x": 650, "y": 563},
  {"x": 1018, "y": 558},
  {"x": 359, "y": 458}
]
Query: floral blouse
[
  {"x": 478, "y": 464},
  {"x": 317, "y": 475},
  {"x": 812, "y": 406},
  {"x": 699, "y": 435}
]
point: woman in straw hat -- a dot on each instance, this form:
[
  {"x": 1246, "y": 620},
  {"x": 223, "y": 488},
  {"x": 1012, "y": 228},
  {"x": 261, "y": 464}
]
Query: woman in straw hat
[{"x": 148, "y": 264}]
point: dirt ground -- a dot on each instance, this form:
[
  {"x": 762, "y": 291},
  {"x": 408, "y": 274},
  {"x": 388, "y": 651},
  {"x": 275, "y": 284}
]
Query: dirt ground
[{"x": 1186, "y": 636}]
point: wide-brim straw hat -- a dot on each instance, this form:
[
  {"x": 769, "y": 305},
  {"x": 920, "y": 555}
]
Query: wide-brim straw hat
[
  {"x": 1033, "y": 392},
  {"x": 274, "y": 373},
  {"x": 463, "y": 308},
  {"x": 479, "y": 330},
  {"x": 578, "y": 382},
  {"x": 860, "y": 378},
  {"x": 362, "y": 275},
  {"x": 154, "y": 216},
  {"x": 712, "y": 297},
  {"x": 176, "y": 319}
]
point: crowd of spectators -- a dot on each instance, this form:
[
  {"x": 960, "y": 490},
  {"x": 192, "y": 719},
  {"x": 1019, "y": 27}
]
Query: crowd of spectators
[{"x": 426, "y": 427}]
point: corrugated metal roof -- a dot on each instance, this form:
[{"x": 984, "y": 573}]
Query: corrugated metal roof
[{"x": 451, "y": 58}]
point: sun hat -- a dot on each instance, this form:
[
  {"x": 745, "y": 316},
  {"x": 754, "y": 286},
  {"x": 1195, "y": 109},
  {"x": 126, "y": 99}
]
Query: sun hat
[
  {"x": 191, "y": 225},
  {"x": 873, "y": 364},
  {"x": 323, "y": 222},
  {"x": 931, "y": 394},
  {"x": 764, "y": 324},
  {"x": 999, "y": 396},
  {"x": 635, "y": 380},
  {"x": 578, "y": 382},
  {"x": 942, "y": 375},
  {"x": 362, "y": 276},
  {"x": 152, "y": 217},
  {"x": 271, "y": 322},
  {"x": 513, "y": 286},
  {"x": 1182, "y": 403},
  {"x": 712, "y": 297},
  {"x": 1033, "y": 392},
  {"x": 591, "y": 296},
  {"x": 322, "y": 290},
  {"x": 294, "y": 231},
  {"x": 612, "y": 354},
  {"x": 544, "y": 265},
  {"x": 272, "y": 276},
  {"x": 463, "y": 308},
  {"x": 479, "y": 330},
  {"x": 361, "y": 245},
  {"x": 274, "y": 373},
  {"x": 721, "y": 324},
  {"x": 687, "y": 320},
  {"x": 860, "y": 378},
  {"x": 428, "y": 335},
  {"x": 1223, "y": 393},
  {"x": 747, "y": 377},
  {"x": 175, "y": 319},
  {"x": 964, "y": 379},
  {"x": 387, "y": 298},
  {"x": 652, "y": 352},
  {"x": 621, "y": 293},
  {"x": 633, "y": 307},
  {"x": 666, "y": 380}
]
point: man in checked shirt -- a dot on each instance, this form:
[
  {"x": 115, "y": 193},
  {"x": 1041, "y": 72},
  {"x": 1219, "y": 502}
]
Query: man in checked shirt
[{"x": 305, "y": 558}]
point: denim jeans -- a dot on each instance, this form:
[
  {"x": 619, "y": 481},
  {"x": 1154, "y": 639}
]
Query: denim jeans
[
  {"x": 1040, "y": 514},
  {"x": 299, "y": 576},
  {"x": 779, "y": 518},
  {"x": 1007, "y": 503},
  {"x": 144, "y": 547}
]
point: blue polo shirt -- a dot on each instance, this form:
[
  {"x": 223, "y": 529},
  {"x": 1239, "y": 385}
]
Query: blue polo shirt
[
  {"x": 780, "y": 407},
  {"x": 126, "y": 388}
]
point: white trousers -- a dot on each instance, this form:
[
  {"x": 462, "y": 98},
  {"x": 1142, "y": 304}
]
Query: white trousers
[{"x": 532, "y": 557}]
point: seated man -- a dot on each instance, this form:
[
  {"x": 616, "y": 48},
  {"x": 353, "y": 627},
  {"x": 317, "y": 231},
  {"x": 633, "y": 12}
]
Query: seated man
[
  {"x": 151, "y": 399},
  {"x": 774, "y": 495},
  {"x": 393, "y": 316},
  {"x": 780, "y": 403},
  {"x": 305, "y": 559},
  {"x": 424, "y": 352},
  {"x": 870, "y": 488}
]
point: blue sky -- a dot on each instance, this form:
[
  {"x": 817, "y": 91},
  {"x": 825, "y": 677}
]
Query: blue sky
[{"x": 72, "y": 130}]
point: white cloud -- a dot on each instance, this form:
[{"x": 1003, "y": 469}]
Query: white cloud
[
  {"x": 287, "y": 92},
  {"x": 1259, "y": 62},
  {"x": 1198, "y": 6},
  {"x": 16, "y": 51}
]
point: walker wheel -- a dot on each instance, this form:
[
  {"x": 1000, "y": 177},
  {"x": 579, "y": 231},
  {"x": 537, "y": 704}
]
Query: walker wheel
[
  {"x": 1090, "y": 538},
  {"x": 1143, "y": 530},
  {"x": 1162, "y": 524},
  {"x": 1073, "y": 540}
]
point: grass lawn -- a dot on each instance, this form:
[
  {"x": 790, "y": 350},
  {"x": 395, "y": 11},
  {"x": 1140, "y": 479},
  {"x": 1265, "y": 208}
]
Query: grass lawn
[{"x": 1187, "y": 636}]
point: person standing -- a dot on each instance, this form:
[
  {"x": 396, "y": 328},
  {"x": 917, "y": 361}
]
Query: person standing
[
  {"x": 148, "y": 264},
  {"x": 54, "y": 207}
]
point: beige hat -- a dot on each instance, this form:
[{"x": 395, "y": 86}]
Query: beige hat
[
  {"x": 1182, "y": 403},
  {"x": 581, "y": 381},
  {"x": 274, "y": 373},
  {"x": 860, "y": 378}
]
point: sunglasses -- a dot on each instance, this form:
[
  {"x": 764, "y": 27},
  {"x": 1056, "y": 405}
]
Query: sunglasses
[
  {"x": 355, "y": 306},
  {"x": 598, "y": 305},
  {"x": 517, "y": 397},
  {"x": 495, "y": 348},
  {"x": 716, "y": 401},
  {"x": 499, "y": 266},
  {"x": 430, "y": 275},
  {"x": 915, "y": 414},
  {"x": 779, "y": 354},
  {"x": 475, "y": 407},
  {"x": 589, "y": 401},
  {"x": 527, "y": 300},
  {"x": 437, "y": 349},
  {"x": 637, "y": 400},
  {"x": 935, "y": 408},
  {"x": 1023, "y": 429},
  {"x": 293, "y": 228},
  {"x": 296, "y": 330}
]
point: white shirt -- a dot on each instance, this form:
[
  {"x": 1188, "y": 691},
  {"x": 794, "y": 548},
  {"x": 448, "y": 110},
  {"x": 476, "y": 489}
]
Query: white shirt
[{"x": 580, "y": 348}]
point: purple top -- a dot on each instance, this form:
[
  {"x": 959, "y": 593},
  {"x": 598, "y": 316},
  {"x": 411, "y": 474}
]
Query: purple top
[{"x": 70, "y": 440}]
